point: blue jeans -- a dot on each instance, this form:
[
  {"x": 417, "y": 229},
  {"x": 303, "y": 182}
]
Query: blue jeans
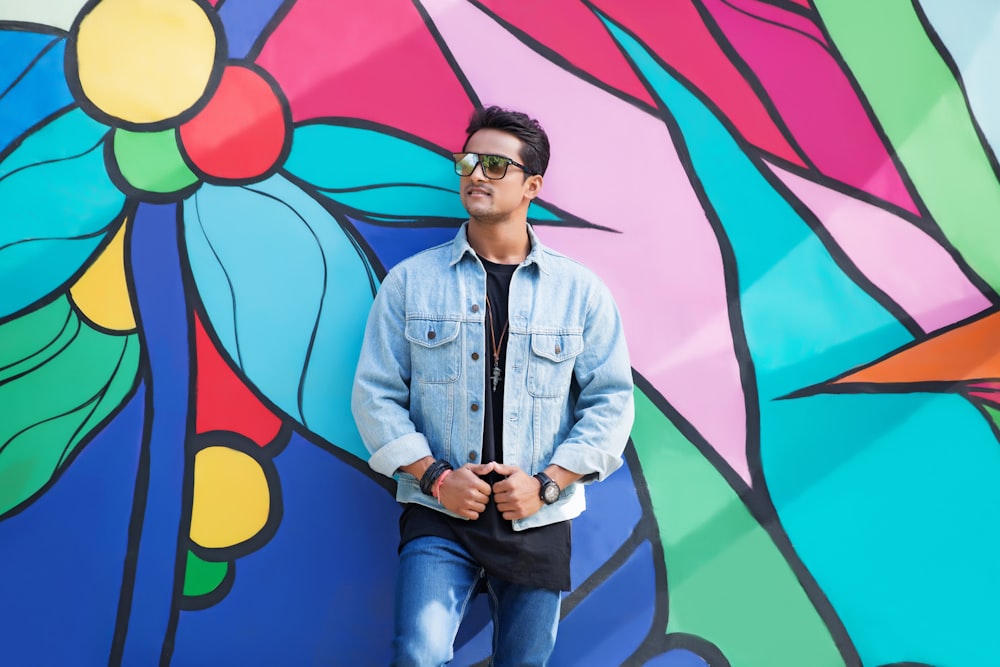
[{"x": 435, "y": 584}]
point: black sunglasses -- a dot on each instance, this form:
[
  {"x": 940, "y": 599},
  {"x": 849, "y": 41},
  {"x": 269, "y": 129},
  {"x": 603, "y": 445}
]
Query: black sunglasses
[{"x": 494, "y": 166}]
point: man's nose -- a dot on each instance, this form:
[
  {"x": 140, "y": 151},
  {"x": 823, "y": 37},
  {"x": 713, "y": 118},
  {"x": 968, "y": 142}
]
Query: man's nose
[{"x": 482, "y": 172}]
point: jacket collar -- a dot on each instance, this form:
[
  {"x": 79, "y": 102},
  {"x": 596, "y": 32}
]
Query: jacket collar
[{"x": 460, "y": 248}]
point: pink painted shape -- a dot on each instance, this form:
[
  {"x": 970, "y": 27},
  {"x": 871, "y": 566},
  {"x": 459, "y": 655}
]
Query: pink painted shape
[
  {"x": 664, "y": 266},
  {"x": 375, "y": 60},
  {"x": 814, "y": 98},
  {"x": 575, "y": 32},
  {"x": 782, "y": 17},
  {"x": 898, "y": 257},
  {"x": 675, "y": 31}
]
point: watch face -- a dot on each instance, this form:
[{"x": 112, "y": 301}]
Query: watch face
[{"x": 550, "y": 493}]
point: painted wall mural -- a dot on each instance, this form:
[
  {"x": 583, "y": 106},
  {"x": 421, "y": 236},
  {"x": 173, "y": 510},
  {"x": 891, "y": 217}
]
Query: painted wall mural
[{"x": 795, "y": 203}]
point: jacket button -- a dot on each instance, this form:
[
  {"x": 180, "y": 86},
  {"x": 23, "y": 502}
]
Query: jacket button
[
  {"x": 475, "y": 356},
  {"x": 431, "y": 335},
  {"x": 475, "y": 307},
  {"x": 558, "y": 349},
  {"x": 473, "y": 455},
  {"x": 475, "y": 407}
]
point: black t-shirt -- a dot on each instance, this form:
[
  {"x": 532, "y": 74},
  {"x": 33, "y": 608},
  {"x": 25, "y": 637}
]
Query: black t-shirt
[{"x": 536, "y": 557}]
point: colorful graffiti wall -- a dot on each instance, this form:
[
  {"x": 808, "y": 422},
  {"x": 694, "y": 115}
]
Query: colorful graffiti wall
[{"x": 795, "y": 203}]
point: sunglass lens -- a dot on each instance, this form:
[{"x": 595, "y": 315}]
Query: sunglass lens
[
  {"x": 494, "y": 166},
  {"x": 465, "y": 163}
]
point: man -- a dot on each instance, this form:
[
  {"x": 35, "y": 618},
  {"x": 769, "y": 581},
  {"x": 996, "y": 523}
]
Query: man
[{"x": 493, "y": 384}]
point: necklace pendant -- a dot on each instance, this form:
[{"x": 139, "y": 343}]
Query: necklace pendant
[{"x": 496, "y": 375}]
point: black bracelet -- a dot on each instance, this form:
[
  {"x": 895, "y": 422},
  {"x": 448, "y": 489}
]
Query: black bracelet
[{"x": 431, "y": 475}]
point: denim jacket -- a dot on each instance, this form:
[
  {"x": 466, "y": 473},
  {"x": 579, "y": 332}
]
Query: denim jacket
[{"x": 420, "y": 382}]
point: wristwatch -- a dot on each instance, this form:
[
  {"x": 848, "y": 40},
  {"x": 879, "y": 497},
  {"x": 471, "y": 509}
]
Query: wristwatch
[{"x": 550, "y": 491}]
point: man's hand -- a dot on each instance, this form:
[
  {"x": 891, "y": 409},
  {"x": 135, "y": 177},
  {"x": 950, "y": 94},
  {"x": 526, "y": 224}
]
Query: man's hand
[
  {"x": 517, "y": 497},
  {"x": 464, "y": 493}
]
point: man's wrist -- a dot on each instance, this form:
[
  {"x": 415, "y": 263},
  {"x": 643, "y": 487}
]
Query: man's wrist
[
  {"x": 428, "y": 481},
  {"x": 561, "y": 476}
]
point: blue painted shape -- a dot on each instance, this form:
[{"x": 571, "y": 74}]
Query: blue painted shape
[
  {"x": 613, "y": 510},
  {"x": 62, "y": 557},
  {"x": 163, "y": 313},
  {"x": 288, "y": 295},
  {"x": 320, "y": 592},
  {"x": 58, "y": 207},
  {"x": 611, "y": 623},
  {"x": 38, "y": 94},
  {"x": 244, "y": 20},
  {"x": 394, "y": 243},
  {"x": 20, "y": 48}
]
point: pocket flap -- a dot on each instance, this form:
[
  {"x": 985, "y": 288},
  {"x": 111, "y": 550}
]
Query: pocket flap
[
  {"x": 431, "y": 333},
  {"x": 557, "y": 346}
]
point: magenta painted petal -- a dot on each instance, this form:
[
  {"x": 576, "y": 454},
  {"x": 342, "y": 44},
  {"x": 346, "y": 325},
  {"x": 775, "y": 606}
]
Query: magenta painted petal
[
  {"x": 896, "y": 256},
  {"x": 813, "y": 96},
  {"x": 665, "y": 266}
]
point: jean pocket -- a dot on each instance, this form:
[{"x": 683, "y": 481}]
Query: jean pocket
[
  {"x": 550, "y": 364},
  {"x": 435, "y": 349}
]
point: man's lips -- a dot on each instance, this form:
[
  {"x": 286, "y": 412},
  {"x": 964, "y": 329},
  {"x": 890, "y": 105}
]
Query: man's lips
[{"x": 478, "y": 191}]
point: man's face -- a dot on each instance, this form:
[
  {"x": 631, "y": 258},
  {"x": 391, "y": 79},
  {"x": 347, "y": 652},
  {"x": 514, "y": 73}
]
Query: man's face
[{"x": 490, "y": 201}]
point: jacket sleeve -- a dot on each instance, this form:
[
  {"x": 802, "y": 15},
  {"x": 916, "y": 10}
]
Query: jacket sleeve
[
  {"x": 380, "y": 399},
  {"x": 605, "y": 405}
]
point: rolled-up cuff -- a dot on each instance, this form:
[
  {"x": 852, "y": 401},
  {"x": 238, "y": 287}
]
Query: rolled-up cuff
[
  {"x": 402, "y": 451},
  {"x": 593, "y": 463}
]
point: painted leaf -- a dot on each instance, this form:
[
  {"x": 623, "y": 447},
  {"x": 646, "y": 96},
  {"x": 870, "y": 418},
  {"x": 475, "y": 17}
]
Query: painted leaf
[
  {"x": 718, "y": 597},
  {"x": 59, "y": 208},
  {"x": 287, "y": 293},
  {"x": 59, "y": 380},
  {"x": 381, "y": 177},
  {"x": 32, "y": 82}
]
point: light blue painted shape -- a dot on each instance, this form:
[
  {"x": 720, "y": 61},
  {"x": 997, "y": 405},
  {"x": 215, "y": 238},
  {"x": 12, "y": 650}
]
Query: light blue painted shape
[
  {"x": 58, "y": 207},
  {"x": 287, "y": 293},
  {"x": 970, "y": 31}
]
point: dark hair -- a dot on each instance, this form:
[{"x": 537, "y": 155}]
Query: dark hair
[{"x": 534, "y": 141}]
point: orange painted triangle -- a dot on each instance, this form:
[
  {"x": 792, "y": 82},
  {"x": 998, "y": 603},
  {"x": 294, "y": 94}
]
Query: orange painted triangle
[{"x": 967, "y": 353}]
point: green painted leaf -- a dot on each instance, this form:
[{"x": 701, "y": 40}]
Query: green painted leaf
[
  {"x": 202, "y": 577},
  {"x": 728, "y": 581},
  {"x": 59, "y": 379}
]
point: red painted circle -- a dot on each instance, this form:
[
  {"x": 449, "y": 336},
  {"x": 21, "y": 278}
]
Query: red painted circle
[{"x": 241, "y": 132}]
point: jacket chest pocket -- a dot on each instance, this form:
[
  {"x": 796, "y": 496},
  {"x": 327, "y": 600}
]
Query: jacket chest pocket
[
  {"x": 551, "y": 362},
  {"x": 435, "y": 354}
]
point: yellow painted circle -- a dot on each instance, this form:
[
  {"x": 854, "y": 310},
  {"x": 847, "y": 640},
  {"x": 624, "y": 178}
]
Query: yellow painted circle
[
  {"x": 231, "y": 498},
  {"x": 145, "y": 61}
]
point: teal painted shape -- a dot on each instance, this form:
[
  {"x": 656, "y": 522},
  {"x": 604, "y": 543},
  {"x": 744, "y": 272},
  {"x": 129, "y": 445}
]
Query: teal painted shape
[
  {"x": 883, "y": 496},
  {"x": 287, "y": 292},
  {"x": 58, "y": 207},
  {"x": 888, "y": 500},
  {"x": 381, "y": 177}
]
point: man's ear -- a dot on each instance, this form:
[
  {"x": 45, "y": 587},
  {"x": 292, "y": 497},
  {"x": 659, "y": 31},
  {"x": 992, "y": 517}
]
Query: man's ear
[{"x": 533, "y": 186}]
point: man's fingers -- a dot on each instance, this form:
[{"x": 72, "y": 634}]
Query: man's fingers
[
  {"x": 481, "y": 468},
  {"x": 504, "y": 469}
]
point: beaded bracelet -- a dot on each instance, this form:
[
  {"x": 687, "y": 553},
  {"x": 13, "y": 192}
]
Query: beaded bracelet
[{"x": 431, "y": 475}]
